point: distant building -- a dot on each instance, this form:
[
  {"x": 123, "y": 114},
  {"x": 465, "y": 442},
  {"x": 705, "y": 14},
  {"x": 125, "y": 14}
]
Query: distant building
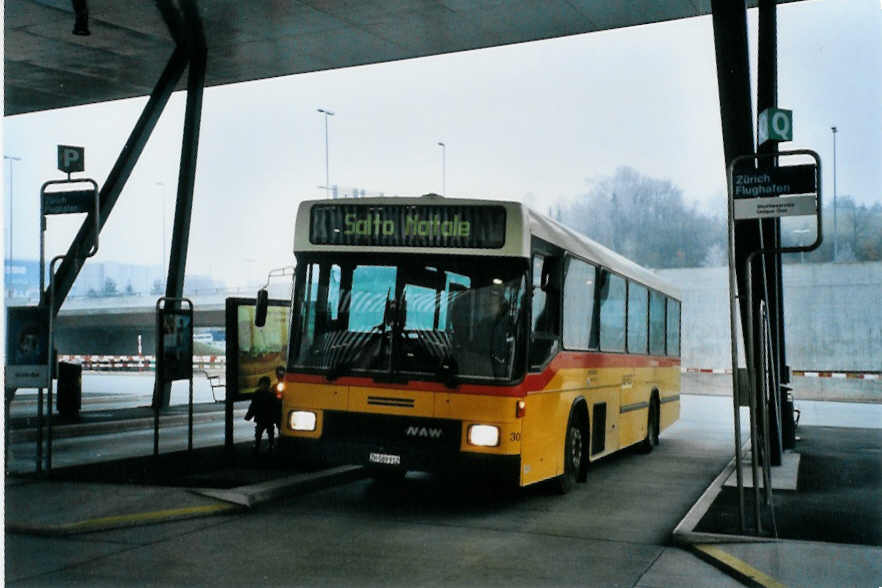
[{"x": 23, "y": 280}]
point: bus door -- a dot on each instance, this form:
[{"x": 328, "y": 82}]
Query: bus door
[{"x": 617, "y": 375}]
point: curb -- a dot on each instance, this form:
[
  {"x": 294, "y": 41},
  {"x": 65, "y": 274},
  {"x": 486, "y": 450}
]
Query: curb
[
  {"x": 706, "y": 545},
  {"x": 254, "y": 494},
  {"x": 235, "y": 500},
  {"x": 122, "y": 521}
]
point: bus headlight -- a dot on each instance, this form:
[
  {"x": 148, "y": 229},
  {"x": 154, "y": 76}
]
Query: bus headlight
[
  {"x": 301, "y": 420},
  {"x": 280, "y": 389},
  {"x": 484, "y": 435}
]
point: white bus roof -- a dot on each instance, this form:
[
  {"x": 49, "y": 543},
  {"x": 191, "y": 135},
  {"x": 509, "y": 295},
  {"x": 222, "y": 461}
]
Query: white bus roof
[{"x": 521, "y": 223}]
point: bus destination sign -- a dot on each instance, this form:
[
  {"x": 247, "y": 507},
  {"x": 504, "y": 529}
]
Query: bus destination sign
[{"x": 396, "y": 225}]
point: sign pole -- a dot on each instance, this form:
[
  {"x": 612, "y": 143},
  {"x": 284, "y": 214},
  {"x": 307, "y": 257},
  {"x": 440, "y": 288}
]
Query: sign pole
[{"x": 767, "y": 183}]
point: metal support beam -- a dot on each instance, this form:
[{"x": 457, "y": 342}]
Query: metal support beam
[
  {"x": 767, "y": 97},
  {"x": 177, "y": 263},
  {"x": 733, "y": 79},
  {"x": 116, "y": 179},
  {"x": 733, "y": 83}
]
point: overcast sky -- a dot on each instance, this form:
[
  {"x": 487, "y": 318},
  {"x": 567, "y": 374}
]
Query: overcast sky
[{"x": 538, "y": 122}]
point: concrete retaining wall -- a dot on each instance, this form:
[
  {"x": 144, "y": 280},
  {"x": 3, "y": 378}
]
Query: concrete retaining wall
[{"x": 832, "y": 314}]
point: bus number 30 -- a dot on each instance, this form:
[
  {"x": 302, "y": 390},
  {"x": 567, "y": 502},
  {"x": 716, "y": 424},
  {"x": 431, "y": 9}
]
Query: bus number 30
[{"x": 515, "y": 436}]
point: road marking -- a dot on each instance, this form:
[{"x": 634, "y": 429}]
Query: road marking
[
  {"x": 121, "y": 521},
  {"x": 742, "y": 569}
]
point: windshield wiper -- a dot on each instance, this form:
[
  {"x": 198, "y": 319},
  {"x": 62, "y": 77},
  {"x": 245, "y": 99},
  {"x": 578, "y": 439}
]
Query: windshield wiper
[
  {"x": 348, "y": 357},
  {"x": 448, "y": 371}
]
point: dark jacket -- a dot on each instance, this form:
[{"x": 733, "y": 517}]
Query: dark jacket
[{"x": 263, "y": 407}]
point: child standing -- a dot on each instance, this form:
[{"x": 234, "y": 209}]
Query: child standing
[{"x": 263, "y": 408}]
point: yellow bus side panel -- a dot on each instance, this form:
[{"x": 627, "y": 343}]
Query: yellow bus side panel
[
  {"x": 668, "y": 383},
  {"x": 543, "y": 436},
  {"x": 476, "y": 407},
  {"x": 670, "y": 412}
]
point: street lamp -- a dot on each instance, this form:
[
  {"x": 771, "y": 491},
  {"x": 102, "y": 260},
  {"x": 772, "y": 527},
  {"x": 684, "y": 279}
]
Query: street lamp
[
  {"x": 327, "y": 113},
  {"x": 443, "y": 168},
  {"x": 12, "y": 159},
  {"x": 835, "y": 225},
  {"x": 163, "y": 277},
  {"x": 801, "y": 232}
]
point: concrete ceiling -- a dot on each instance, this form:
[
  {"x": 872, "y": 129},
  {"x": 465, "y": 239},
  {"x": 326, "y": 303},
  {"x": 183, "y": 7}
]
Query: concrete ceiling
[{"x": 49, "y": 67}]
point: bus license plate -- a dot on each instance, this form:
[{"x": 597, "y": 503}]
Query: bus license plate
[{"x": 385, "y": 459}]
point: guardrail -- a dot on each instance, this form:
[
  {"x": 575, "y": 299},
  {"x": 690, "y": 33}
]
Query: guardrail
[
  {"x": 854, "y": 375},
  {"x": 137, "y": 362}
]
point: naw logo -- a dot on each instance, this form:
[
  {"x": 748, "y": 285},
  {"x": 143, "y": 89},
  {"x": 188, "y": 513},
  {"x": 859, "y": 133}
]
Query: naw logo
[{"x": 424, "y": 432}]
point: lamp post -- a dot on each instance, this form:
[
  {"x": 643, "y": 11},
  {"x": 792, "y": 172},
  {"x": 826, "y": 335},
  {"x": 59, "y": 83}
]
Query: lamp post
[
  {"x": 327, "y": 113},
  {"x": 12, "y": 159},
  {"x": 161, "y": 186},
  {"x": 443, "y": 168},
  {"x": 835, "y": 224},
  {"x": 801, "y": 232}
]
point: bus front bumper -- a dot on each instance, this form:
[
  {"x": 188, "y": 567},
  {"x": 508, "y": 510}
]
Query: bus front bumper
[{"x": 387, "y": 457}]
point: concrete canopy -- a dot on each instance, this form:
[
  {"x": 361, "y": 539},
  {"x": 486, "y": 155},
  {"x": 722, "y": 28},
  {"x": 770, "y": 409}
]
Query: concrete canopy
[{"x": 48, "y": 67}]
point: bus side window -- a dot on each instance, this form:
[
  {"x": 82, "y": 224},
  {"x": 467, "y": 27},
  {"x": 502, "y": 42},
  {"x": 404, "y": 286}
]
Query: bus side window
[
  {"x": 638, "y": 317},
  {"x": 546, "y": 310},
  {"x": 578, "y": 304},
  {"x": 656, "y": 323},
  {"x": 673, "y": 327},
  {"x": 612, "y": 312}
]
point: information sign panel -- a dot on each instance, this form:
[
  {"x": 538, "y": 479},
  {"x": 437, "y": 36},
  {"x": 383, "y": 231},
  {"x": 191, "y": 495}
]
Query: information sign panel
[
  {"x": 27, "y": 346},
  {"x": 68, "y": 202},
  {"x": 775, "y": 124},
  {"x": 791, "y": 179},
  {"x": 803, "y": 205},
  {"x": 175, "y": 344}
]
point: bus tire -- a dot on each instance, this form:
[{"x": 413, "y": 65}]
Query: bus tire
[
  {"x": 575, "y": 454},
  {"x": 651, "y": 439}
]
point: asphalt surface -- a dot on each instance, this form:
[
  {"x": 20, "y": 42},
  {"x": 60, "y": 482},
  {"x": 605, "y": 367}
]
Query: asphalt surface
[
  {"x": 615, "y": 530},
  {"x": 85, "y": 526},
  {"x": 839, "y": 494}
]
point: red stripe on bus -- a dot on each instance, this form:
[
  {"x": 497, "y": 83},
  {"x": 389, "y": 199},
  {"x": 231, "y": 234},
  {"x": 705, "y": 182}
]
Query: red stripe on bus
[{"x": 532, "y": 382}]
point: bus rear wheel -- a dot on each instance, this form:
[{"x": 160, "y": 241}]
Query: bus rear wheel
[
  {"x": 574, "y": 454},
  {"x": 651, "y": 439}
]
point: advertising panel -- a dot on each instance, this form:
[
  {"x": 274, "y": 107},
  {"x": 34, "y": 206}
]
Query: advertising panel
[
  {"x": 176, "y": 353},
  {"x": 27, "y": 346},
  {"x": 254, "y": 352}
]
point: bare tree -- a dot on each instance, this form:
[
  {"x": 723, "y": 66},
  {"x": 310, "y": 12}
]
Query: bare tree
[{"x": 646, "y": 220}]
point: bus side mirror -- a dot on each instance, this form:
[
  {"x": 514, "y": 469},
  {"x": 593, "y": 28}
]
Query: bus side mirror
[{"x": 260, "y": 310}]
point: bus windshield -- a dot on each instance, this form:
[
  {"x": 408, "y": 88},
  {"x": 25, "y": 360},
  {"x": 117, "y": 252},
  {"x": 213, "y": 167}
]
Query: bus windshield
[{"x": 407, "y": 316}]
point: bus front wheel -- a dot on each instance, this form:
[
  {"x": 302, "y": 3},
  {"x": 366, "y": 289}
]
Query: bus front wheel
[{"x": 574, "y": 454}]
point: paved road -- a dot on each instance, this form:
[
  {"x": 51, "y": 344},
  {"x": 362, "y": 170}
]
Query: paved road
[{"x": 426, "y": 530}]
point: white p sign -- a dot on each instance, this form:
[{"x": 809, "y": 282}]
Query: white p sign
[{"x": 71, "y": 159}]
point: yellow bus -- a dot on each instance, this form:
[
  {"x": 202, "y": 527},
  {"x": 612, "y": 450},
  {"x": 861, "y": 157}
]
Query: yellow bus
[{"x": 433, "y": 334}]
